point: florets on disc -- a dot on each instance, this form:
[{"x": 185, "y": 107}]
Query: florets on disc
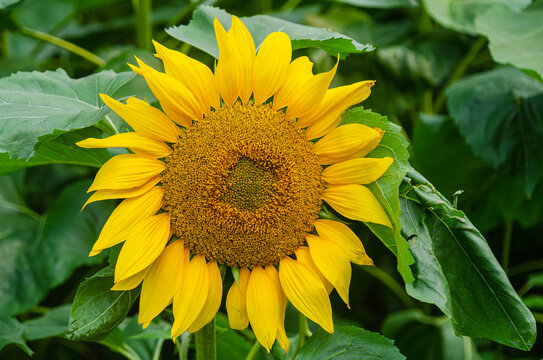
[{"x": 242, "y": 186}]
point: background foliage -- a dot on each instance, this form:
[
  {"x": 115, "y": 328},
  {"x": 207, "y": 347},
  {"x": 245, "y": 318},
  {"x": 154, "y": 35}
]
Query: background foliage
[{"x": 460, "y": 82}]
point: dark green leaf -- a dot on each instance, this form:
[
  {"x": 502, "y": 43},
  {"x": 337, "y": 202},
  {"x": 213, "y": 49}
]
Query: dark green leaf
[
  {"x": 37, "y": 107},
  {"x": 394, "y": 145},
  {"x": 200, "y": 34},
  {"x": 97, "y": 310},
  {"x": 456, "y": 270},
  {"x": 230, "y": 344},
  {"x": 41, "y": 251},
  {"x": 460, "y": 15},
  {"x": 52, "y": 323},
  {"x": 11, "y": 332},
  {"x": 515, "y": 38},
  {"x": 348, "y": 342},
  {"x": 60, "y": 150},
  {"x": 381, "y": 4},
  {"x": 500, "y": 113}
]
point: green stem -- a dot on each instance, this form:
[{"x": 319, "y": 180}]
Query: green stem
[
  {"x": 459, "y": 71},
  {"x": 303, "y": 332},
  {"x": 63, "y": 44},
  {"x": 467, "y": 348},
  {"x": 255, "y": 349},
  {"x": 144, "y": 26},
  {"x": 392, "y": 284},
  {"x": 507, "y": 245},
  {"x": 184, "y": 347},
  {"x": 184, "y": 13},
  {"x": 205, "y": 342}
]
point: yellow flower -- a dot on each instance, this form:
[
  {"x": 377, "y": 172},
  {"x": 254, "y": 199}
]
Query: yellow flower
[{"x": 229, "y": 173}]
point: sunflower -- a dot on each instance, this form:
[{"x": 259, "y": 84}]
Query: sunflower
[{"x": 233, "y": 171}]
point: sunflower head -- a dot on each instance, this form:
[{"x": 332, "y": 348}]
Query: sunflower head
[{"x": 234, "y": 170}]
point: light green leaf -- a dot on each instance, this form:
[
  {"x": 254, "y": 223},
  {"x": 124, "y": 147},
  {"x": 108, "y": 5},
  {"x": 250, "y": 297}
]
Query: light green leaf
[
  {"x": 381, "y": 4},
  {"x": 348, "y": 342},
  {"x": 5, "y": 3},
  {"x": 500, "y": 114},
  {"x": 394, "y": 145},
  {"x": 97, "y": 310},
  {"x": 11, "y": 332},
  {"x": 40, "y": 252},
  {"x": 456, "y": 270},
  {"x": 200, "y": 34},
  {"x": 514, "y": 38},
  {"x": 460, "y": 15},
  {"x": 39, "y": 106},
  {"x": 52, "y": 323},
  {"x": 60, "y": 150}
]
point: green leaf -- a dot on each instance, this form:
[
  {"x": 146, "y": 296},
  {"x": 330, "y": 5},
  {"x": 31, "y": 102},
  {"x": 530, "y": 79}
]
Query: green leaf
[
  {"x": 52, "y": 323},
  {"x": 514, "y": 38},
  {"x": 534, "y": 281},
  {"x": 5, "y": 3},
  {"x": 394, "y": 145},
  {"x": 348, "y": 342},
  {"x": 60, "y": 150},
  {"x": 500, "y": 114},
  {"x": 11, "y": 332},
  {"x": 460, "y": 15},
  {"x": 97, "y": 310},
  {"x": 230, "y": 344},
  {"x": 456, "y": 270},
  {"x": 200, "y": 34},
  {"x": 40, "y": 252},
  {"x": 39, "y": 106},
  {"x": 381, "y": 4}
]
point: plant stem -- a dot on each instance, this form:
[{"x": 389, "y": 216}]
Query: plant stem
[
  {"x": 392, "y": 284},
  {"x": 184, "y": 348},
  {"x": 255, "y": 349},
  {"x": 467, "y": 348},
  {"x": 507, "y": 245},
  {"x": 66, "y": 45},
  {"x": 144, "y": 26},
  {"x": 205, "y": 342},
  {"x": 184, "y": 13},
  {"x": 303, "y": 332},
  {"x": 459, "y": 71}
]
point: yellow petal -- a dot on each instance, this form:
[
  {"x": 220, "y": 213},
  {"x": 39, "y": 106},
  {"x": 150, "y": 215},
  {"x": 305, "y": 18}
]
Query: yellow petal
[
  {"x": 163, "y": 281},
  {"x": 302, "y": 90},
  {"x": 213, "y": 301},
  {"x": 126, "y": 171},
  {"x": 245, "y": 45},
  {"x": 197, "y": 77},
  {"x": 356, "y": 171},
  {"x": 190, "y": 300},
  {"x": 236, "y": 301},
  {"x": 306, "y": 292},
  {"x": 129, "y": 212},
  {"x": 123, "y": 193},
  {"x": 281, "y": 336},
  {"x": 356, "y": 202},
  {"x": 144, "y": 244},
  {"x": 263, "y": 307},
  {"x": 372, "y": 144},
  {"x": 303, "y": 256},
  {"x": 228, "y": 76},
  {"x": 271, "y": 64},
  {"x": 344, "y": 143},
  {"x": 335, "y": 102},
  {"x": 131, "y": 140},
  {"x": 176, "y": 100},
  {"x": 345, "y": 238},
  {"x": 132, "y": 281},
  {"x": 144, "y": 119},
  {"x": 332, "y": 262}
]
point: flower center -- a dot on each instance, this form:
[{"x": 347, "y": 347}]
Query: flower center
[{"x": 243, "y": 186}]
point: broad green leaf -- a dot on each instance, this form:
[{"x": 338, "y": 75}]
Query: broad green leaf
[
  {"x": 394, "y": 145},
  {"x": 348, "y": 342},
  {"x": 39, "y": 106},
  {"x": 200, "y": 34},
  {"x": 230, "y": 344},
  {"x": 381, "y": 4},
  {"x": 96, "y": 309},
  {"x": 460, "y": 15},
  {"x": 5, "y": 3},
  {"x": 11, "y": 332},
  {"x": 456, "y": 270},
  {"x": 52, "y": 323},
  {"x": 423, "y": 337},
  {"x": 514, "y": 38},
  {"x": 60, "y": 150},
  {"x": 500, "y": 114},
  {"x": 40, "y": 252}
]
